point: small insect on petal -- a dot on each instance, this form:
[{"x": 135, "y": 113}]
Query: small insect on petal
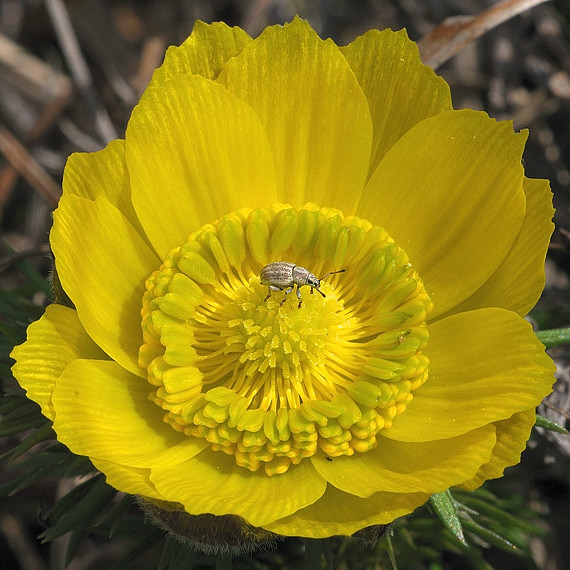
[{"x": 284, "y": 275}]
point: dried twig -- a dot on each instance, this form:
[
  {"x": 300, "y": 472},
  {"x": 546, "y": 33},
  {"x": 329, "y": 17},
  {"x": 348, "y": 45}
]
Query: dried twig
[
  {"x": 24, "y": 163},
  {"x": 79, "y": 70},
  {"x": 39, "y": 82},
  {"x": 456, "y": 32}
]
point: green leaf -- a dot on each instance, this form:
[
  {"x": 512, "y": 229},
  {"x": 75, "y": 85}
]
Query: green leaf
[
  {"x": 114, "y": 516},
  {"x": 554, "y": 337},
  {"x": 36, "y": 279},
  {"x": 492, "y": 537},
  {"x": 73, "y": 497},
  {"x": 77, "y": 536},
  {"x": 498, "y": 515},
  {"x": 154, "y": 537},
  {"x": 77, "y": 466},
  {"x": 19, "y": 414},
  {"x": 545, "y": 423},
  {"x": 176, "y": 555},
  {"x": 446, "y": 509},
  {"x": 18, "y": 422},
  {"x": 36, "y": 468},
  {"x": 17, "y": 307},
  {"x": 43, "y": 433},
  {"x": 387, "y": 538},
  {"x": 15, "y": 334},
  {"x": 81, "y": 506},
  {"x": 9, "y": 403}
]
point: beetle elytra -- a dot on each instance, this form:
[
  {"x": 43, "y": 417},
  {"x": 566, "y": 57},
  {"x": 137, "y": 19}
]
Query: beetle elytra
[{"x": 284, "y": 275}]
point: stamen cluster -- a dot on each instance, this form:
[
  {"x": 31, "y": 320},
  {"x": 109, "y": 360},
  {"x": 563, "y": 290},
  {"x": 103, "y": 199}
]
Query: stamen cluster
[{"x": 272, "y": 384}]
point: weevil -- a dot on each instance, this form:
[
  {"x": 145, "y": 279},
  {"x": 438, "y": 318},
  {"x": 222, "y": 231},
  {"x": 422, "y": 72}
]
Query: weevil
[{"x": 284, "y": 275}]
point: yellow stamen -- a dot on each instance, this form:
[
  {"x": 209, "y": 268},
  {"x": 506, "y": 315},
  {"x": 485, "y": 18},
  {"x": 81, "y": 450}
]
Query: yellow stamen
[{"x": 269, "y": 382}]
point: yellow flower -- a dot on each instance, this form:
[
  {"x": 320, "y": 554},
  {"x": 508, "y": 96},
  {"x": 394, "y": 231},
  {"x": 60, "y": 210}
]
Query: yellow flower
[{"x": 186, "y": 380}]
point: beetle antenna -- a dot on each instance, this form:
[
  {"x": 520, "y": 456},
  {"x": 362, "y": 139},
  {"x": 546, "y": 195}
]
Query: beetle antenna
[{"x": 331, "y": 273}]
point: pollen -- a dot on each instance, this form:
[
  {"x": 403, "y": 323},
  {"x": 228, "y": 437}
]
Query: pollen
[{"x": 269, "y": 382}]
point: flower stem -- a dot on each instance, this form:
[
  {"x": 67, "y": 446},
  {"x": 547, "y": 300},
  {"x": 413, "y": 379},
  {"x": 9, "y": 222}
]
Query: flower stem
[{"x": 554, "y": 337}]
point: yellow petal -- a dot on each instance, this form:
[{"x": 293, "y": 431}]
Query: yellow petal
[
  {"x": 512, "y": 435},
  {"x": 133, "y": 480},
  {"x": 103, "y": 411},
  {"x": 211, "y": 483},
  {"x": 450, "y": 193},
  {"x": 401, "y": 91},
  {"x": 485, "y": 366},
  {"x": 53, "y": 342},
  {"x": 315, "y": 114},
  {"x": 338, "y": 512},
  {"x": 194, "y": 153},
  {"x": 519, "y": 280},
  {"x": 204, "y": 53},
  {"x": 102, "y": 263},
  {"x": 102, "y": 173},
  {"x": 403, "y": 467}
]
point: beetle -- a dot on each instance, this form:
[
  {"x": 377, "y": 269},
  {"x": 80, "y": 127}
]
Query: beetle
[{"x": 284, "y": 275}]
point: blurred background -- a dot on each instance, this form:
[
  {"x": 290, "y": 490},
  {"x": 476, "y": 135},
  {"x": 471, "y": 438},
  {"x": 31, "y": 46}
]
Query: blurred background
[{"x": 70, "y": 74}]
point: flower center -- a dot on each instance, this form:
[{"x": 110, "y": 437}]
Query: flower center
[{"x": 265, "y": 377}]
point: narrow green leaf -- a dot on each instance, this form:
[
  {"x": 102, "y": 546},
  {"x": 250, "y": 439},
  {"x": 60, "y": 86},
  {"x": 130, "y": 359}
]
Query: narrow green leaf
[
  {"x": 114, "y": 516},
  {"x": 130, "y": 526},
  {"x": 22, "y": 418},
  {"x": 176, "y": 555},
  {"x": 14, "y": 334},
  {"x": 76, "y": 538},
  {"x": 43, "y": 433},
  {"x": 554, "y": 337},
  {"x": 154, "y": 537},
  {"x": 545, "y": 423},
  {"x": 17, "y": 307},
  {"x": 472, "y": 555},
  {"x": 387, "y": 537},
  {"x": 491, "y": 537},
  {"x": 80, "y": 512},
  {"x": 36, "y": 279},
  {"x": 35, "y": 469},
  {"x": 446, "y": 509},
  {"x": 67, "y": 502},
  {"x": 10, "y": 403},
  {"x": 78, "y": 466},
  {"x": 494, "y": 512}
]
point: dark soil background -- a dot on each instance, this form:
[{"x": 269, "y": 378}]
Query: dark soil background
[{"x": 53, "y": 104}]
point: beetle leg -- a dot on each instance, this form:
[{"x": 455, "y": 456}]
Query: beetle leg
[
  {"x": 271, "y": 288},
  {"x": 287, "y": 291},
  {"x": 299, "y": 297}
]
